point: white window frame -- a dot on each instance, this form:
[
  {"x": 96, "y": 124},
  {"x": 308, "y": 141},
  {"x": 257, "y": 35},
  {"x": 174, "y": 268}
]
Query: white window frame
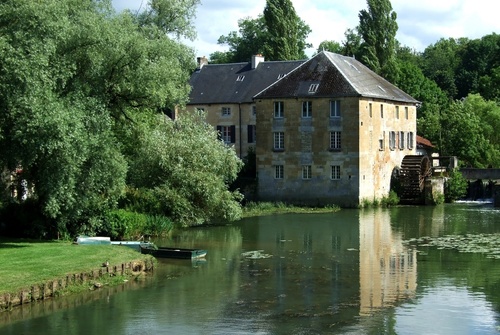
[
  {"x": 279, "y": 109},
  {"x": 279, "y": 140},
  {"x": 335, "y": 172},
  {"x": 335, "y": 109},
  {"x": 335, "y": 140},
  {"x": 226, "y": 134},
  {"x": 392, "y": 140},
  {"x": 225, "y": 111},
  {"x": 307, "y": 109},
  {"x": 410, "y": 140},
  {"x": 279, "y": 172},
  {"x": 306, "y": 171}
]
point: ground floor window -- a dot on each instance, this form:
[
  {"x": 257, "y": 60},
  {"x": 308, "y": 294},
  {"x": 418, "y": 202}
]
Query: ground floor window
[
  {"x": 306, "y": 171},
  {"x": 227, "y": 133},
  {"x": 278, "y": 171},
  {"x": 335, "y": 174}
]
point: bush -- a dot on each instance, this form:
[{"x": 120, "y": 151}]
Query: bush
[
  {"x": 122, "y": 224},
  {"x": 455, "y": 186},
  {"x": 158, "y": 225},
  {"x": 141, "y": 200},
  {"x": 391, "y": 200}
]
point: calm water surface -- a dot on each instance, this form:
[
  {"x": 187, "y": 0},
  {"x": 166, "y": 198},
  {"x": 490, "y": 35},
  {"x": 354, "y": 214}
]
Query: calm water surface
[{"x": 349, "y": 272}]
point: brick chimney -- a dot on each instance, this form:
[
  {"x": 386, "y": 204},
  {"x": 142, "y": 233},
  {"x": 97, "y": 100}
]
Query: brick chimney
[
  {"x": 202, "y": 61},
  {"x": 256, "y": 59}
]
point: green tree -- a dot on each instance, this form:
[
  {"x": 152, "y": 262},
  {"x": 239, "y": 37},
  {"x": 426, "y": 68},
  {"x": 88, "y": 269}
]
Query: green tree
[
  {"x": 173, "y": 17},
  {"x": 477, "y": 71},
  {"x": 264, "y": 35},
  {"x": 74, "y": 79},
  {"x": 331, "y": 46},
  {"x": 287, "y": 32},
  {"x": 471, "y": 126},
  {"x": 192, "y": 187},
  {"x": 352, "y": 43},
  {"x": 248, "y": 41},
  {"x": 455, "y": 186},
  {"x": 440, "y": 62},
  {"x": 378, "y": 28},
  {"x": 432, "y": 100}
]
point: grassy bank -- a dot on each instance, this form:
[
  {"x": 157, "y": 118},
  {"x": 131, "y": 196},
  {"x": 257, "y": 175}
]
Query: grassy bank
[
  {"x": 27, "y": 263},
  {"x": 267, "y": 208}
]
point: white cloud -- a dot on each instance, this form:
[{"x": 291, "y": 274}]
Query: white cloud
[{"x": 421, "y": 23}]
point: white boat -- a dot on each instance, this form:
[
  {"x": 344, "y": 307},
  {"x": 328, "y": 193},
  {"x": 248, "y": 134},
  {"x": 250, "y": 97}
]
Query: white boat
[{"x": 84, "y": 240}]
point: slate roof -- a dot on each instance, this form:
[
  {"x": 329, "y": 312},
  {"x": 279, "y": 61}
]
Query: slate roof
[
  {"x": 217, "y": 83},
  {"x": 336, "y": 76}
]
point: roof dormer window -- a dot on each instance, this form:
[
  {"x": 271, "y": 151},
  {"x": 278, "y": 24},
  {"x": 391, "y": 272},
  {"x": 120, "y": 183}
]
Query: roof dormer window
[{"x": 313, "y": 88}]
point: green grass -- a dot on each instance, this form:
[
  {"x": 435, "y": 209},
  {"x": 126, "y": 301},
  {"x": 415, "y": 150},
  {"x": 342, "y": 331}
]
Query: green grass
[
  {"x": 27, "y": 263},
  {"x": 265, "y": 208}
]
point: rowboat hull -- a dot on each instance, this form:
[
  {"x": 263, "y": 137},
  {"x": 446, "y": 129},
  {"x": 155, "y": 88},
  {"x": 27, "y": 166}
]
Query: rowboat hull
[
  {"x": 180, "y": 253},
  {"x": 136, "y": 245}
]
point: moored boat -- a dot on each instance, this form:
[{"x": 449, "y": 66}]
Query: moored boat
[
  {"x": 85, "y": 240},
  {"x": 165, "y": 252},
  {"x": 136, "y": 245}
]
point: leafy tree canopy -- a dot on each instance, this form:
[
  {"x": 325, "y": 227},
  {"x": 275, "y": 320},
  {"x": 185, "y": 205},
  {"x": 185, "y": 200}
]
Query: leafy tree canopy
[
  {"x": 331, "y": 46},
  {"x": 378, "y": 28},
  {"x": 278, "y": 34},
  {"x": 470, "y": 128},
  {"x": 74, "y": 75}
]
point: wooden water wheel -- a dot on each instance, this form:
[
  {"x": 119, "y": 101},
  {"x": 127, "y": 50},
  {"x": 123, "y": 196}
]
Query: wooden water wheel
[{"x": 414, "y": 170}]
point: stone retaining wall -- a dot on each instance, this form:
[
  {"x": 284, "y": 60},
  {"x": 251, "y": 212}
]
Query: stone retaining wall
[{"x": 49, "y": 289}]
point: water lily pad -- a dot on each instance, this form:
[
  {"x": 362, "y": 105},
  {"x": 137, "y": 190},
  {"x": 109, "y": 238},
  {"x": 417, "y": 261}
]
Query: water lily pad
[{"x": 256, "y": 254}]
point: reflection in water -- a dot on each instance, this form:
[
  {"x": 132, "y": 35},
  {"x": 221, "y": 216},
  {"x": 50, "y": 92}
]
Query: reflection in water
[
  {"x": 448, "y": 306},
  {"x": 342, "y": 273},
  {"x": 388, "y": 271}
]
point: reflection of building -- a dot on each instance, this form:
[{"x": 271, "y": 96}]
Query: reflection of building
[{"x": 387, "y": 271}]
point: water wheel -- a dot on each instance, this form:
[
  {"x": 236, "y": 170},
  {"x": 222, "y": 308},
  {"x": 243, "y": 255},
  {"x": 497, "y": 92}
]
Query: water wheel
[{"x": 414, "y": 170}]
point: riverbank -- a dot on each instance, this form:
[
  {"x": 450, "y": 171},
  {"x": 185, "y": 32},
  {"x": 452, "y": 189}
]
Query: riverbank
[
  {"x": 37, "y": 270},
  {"x": 268, "y": 208}
]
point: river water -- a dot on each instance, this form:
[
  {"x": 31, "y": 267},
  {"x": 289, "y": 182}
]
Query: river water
[{"x": 350, "y": 272}]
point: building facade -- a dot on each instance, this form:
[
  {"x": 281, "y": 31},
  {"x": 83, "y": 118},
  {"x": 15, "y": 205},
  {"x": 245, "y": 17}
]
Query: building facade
[
  {"x": 331, "y": 132},
  {"x": 225, "y": 93}
]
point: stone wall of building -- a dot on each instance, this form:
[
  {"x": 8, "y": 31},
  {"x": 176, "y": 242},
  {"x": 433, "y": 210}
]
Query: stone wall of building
[
  {"x": 240, "y": 116},
  {"x": 365, "y": 167}
]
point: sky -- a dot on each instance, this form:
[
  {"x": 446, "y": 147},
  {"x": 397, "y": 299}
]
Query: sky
[{"x": 421, "y": 23}]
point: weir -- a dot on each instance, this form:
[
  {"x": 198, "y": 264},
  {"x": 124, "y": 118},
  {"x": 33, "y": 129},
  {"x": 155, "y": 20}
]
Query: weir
[{"x": 483, "y": 183}]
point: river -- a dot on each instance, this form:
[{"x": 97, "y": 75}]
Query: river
[{"x": 350, "y": 272}]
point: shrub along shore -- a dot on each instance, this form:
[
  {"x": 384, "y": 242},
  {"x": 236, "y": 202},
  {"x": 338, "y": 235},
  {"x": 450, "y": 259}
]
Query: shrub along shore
[{"x": 37, "y": 270}]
